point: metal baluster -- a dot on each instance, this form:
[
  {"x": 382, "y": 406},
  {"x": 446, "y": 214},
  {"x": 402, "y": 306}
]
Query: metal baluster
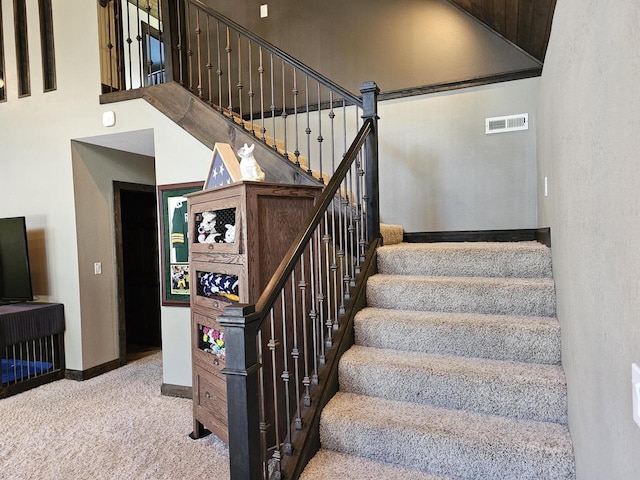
[
  {"x": 273, "y": 345},
  {"x": 326, "y": 239},
  {"x": 179, "y": 45},
  {"x": 361, "y": 216},
  {"x": 219, "y": 70},
  {"x": 332, "y": 116},
  {"x": 129, "y": 42},
  {"x": 352, "y": 227},
  {"x": 295, "y": 352},
  {"x": 198, "y": 32},
  {"x": 110, "y": 48},
  {"x": 287, "y": 447},
  {"x": 320, "y": 139},
  {"x": 308, "y": 129},
  {"x": 295, "y": 92},
  {"x": 261, "y": 72},
  {"x": 341, "y": 250},
  {"x": 189, "y": 50},
  {"x": 53, "y": 352},
  {"x": 264, "y": 447},
  {"x": 272, "y": 107},
  {"x": 209, "y": 64},
  {"x": 284, "y": 114},
  {"x": 321, "y": 306},
  {"x": 253, "y": 132},
  {"x": 161, "y": 43},
  {"x": 229, "y": 90},
  {"x": 306, "y": 381},
  {"x": 240, "y": 85},
  {"x": 313, "y": 313}
]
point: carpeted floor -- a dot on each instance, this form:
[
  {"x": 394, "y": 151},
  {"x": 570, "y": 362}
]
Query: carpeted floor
[{"x": 115, "y": 426}]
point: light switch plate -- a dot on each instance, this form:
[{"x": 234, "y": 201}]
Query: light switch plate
[
  {"x": 635, "y": 379},
  {"x": 264, "y": 11}
]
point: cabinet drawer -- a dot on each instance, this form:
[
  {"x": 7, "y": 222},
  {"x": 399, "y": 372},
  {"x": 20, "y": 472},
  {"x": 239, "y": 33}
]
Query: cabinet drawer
[
  {"x": 217, "y": 285},
  {"x": 210, "y": 402},
  {"x": 209, "y": 346},
  {"x": 215, "y": 226}
]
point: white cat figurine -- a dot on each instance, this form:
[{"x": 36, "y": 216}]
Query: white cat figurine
[{"x": 249, "y": 168}]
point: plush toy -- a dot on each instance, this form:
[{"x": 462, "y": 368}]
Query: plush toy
[
  {"x": 249, "y": 168},
  {"x": 230, "y": 234},
  {"x": 207, "y": 229}
]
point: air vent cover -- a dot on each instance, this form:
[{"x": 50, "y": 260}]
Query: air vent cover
[{"x": 509, "y": 123}]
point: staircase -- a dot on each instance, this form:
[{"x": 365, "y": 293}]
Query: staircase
[{"x": 455, "y": 373}]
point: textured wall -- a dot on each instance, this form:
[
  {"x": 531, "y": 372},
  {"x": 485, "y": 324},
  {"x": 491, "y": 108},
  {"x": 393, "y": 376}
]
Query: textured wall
[{"x": 588, "y": 126}]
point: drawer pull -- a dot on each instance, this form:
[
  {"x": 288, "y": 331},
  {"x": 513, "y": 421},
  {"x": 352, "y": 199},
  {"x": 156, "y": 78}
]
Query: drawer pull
[
  {"x": 207, "y": 395},
  {"x": 211, "y": 246},
  {"x": 216, "y": 361}
]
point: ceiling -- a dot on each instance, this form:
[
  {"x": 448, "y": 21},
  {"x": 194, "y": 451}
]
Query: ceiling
[{"x": 527, "y": 23}]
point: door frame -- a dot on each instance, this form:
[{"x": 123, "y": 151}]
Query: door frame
[{"x": 117, "y": 207}]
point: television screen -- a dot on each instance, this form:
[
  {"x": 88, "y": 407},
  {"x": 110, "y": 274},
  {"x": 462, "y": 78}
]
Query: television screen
[{"x": 15, "y": 276}]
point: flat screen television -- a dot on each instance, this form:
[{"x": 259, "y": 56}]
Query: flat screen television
[{"x": 15, "y": 274}]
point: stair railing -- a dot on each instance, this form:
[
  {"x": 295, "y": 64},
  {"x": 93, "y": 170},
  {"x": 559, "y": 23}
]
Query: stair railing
[
  {"x": 285, "y": 104},
  {"x": 278, "y": 349}
]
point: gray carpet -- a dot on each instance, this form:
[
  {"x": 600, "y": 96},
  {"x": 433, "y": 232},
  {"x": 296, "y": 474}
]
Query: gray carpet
[
  {"x": 115, "y": 426},
  {"x": 456, "y": 370}
]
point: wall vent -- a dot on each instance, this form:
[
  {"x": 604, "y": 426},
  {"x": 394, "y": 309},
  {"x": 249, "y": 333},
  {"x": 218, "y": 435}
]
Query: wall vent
[{"x": 509, "y": 123}]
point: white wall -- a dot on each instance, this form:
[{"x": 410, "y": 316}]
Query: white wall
[
  {"x": 440, "y": 172},
  {"x": 36, "y": 177},
  {"x": 588, "y": 148}
]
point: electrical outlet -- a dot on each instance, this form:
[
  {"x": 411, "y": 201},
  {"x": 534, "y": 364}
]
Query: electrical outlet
[
  {"x": 635, "y": 381},
  {"x": 97, "y": 268}
]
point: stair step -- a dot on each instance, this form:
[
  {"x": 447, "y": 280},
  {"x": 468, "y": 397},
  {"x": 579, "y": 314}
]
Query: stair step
[
  {"x": 328, "y": 464},
  {"x": 498, "y": 337},
  {"x": 519, "y": 390},
  {"x": 501, "y": 296},
  {"x": 468, "y": 259},
  {"x": 460, "y": 444}
]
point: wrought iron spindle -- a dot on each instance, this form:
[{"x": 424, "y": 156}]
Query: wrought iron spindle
[
  {"x": 251, "y": 93},
  {"x": 179, "y": 46},
  {"x": 320, "y": 297},
  {"x": 332, "y": 116},
  {"x": 272, "y": 107},
  {"x": 264, "y": 426},
  {"x": 273, "y": 345},
  {"x": 306, "y": 380},
  {"x": 240, "y": 85},
  {"x": 288, "y": 450},
  {"x": 148, "y": 49},
  {"x": 284, "y": 113},
  {"x": 329, "y": 269},
  {"x": 161, "y": 43},
  {"x": 295, "y": 92},
  {"x": 219, "y": 70},
  {"x": 209, "y": 65},
  {"x": 198, "y": 32},
  {"x": 129, "y": 42},
  {"x": 308, "y": 129},
  {"x": 295, "y": 352},
  {"x": 110, "y": 47},
  {"x": 320, "y": 139},
  {"x": 229, "y": 89},
  {"x": 313, "y": 315},
  {"x": 263, "y": 130},
  {"x": 189, "y": 50}
]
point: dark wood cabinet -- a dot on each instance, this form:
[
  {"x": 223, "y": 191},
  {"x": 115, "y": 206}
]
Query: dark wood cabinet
[{"x": 238, "y": 235}]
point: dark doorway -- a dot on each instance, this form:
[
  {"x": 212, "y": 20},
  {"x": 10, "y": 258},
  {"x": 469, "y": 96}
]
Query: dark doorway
[{"x": 138, "y": 277}]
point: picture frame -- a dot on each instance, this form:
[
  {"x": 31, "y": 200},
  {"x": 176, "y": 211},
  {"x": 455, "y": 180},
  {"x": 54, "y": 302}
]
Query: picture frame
[
  {"x": 174, "y": 241},
  {"x": 224, "y": 168}
]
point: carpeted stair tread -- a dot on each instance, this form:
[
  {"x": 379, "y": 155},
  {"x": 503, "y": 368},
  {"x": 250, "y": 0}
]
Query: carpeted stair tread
[
  {"x": 466, "y": 259},
  {"x": 329, "y": 464},
  {"x": 496, "y": 387},
  {"x": 502, "y": 296},
  {"x": 456, "y": 443},
  {"x": 391, "y": 234},
  {"x": 499, "y": 337}
]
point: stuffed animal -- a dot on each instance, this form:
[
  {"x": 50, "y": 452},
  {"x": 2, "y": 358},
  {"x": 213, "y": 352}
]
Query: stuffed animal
[
  {"x": 207, "y": 232},
  {"x": 249, "y": 168},
  {"x": 230, "y": 234}
]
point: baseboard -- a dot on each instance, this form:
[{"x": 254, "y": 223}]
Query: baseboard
[
  {"x": 542, "y": 235},
  {"x": 81, "y": 375},
  {"x": 179, "y": 391}
]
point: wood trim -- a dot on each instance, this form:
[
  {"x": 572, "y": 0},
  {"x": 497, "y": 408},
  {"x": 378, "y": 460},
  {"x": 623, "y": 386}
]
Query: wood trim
[
  {"x": 113, "y": 97},
  {"x": 81, "y": 375},
  {"x": 179, "y": 391},
  {"x": 22, "y": 47},
  {"x": 3, "y": 91},
  {"x": 542, "y": 235},
  {"x": 472, "y": 82}
]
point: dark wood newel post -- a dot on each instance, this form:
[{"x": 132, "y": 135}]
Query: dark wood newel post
[
  {"x": 240, "y": 324},
  {"x": 370, "y": 91}
]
